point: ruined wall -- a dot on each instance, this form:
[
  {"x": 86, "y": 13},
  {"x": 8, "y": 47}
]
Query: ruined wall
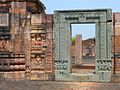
[
  {"x": 116, "y": 41},
  {"x": 41, "y": 47},
  {"x": 25, "y": 51},
  {"x": 12, "y": 54},
  {"x": 38, "y": 46},
  {"x": 50, "y": 43}
]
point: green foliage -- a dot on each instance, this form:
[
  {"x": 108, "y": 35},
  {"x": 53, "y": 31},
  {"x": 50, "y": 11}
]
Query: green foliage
[{"x": 73, "y": 40}]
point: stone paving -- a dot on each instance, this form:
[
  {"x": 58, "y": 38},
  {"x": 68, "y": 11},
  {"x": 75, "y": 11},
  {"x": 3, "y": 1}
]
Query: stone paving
[{"x": 47, "y": 85}]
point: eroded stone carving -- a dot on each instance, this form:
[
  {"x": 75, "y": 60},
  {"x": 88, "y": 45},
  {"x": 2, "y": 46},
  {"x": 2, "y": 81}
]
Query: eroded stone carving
[
  {"x": 4, "y": 45},
  {"x": 82, "y": 16},
  {"x": 61, "y": 65},
  {"x": 37, "y": 60},
  {"x": 36, "y": 39},
  {"x": 104, "y": 65},
  {"x": 27, "y": 72}
]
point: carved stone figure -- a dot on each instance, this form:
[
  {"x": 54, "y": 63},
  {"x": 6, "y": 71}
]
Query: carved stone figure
[
  {"x": 3, "y": 45},
  {"x": 27, "y": 72},
  {"x": 38, "y": 60}
]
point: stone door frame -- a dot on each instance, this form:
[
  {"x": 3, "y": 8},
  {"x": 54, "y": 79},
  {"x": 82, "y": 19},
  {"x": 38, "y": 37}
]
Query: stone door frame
[{"x": 103, "y": 21}]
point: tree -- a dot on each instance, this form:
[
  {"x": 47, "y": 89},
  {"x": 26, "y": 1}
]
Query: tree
[{"x": 73, "y": 40}]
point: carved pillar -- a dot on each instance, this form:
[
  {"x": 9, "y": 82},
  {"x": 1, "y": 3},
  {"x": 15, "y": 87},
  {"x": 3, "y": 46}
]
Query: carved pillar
[
  {"x": 78, "y": 48},
  {"x": 28, "y": 47}
]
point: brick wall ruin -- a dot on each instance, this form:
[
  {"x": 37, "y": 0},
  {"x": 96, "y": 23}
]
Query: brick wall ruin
[
  {"x": 25, "y": 40},
  {"x": 116, "y": 42}
]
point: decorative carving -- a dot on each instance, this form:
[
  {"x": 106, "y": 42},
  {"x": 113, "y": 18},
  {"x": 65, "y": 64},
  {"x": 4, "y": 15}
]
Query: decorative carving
[
  {"x": 63, "y": 44},
  {"x": 71, "y": 18},
  {"x": 56, "y": 43},
  {"x": 4, "y": 19},
  {"x": 37, "y": 60},
  {"x": 36, "y": 39},
  {"x": 109, "y": 15},
  {"x": 61, "y": 65},
  {"x": 62, "y": 39},
  {"x": 27, "y": 72},
  {"x": 104, "y": 65},
  {"x": 4, "y": 45},
  {"x": 82, "y": 16}
]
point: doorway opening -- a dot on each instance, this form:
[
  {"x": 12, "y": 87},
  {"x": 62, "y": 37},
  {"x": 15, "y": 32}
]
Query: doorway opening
[{"x": 83, "y": 48}]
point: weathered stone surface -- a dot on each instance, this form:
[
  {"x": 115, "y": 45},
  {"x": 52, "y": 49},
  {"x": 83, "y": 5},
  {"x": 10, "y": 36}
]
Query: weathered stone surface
[
  {"x": 24, "y": 29},
  {"x": 103, "y": 19},
  {"x": 78, "y": 53}
]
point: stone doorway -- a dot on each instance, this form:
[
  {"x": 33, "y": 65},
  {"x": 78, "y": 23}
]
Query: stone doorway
[{"x": 103, "y": 20}]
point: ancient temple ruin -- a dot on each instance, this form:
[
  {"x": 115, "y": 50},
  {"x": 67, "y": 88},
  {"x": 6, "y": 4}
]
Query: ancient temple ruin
[{"x": 36, "y": 46}]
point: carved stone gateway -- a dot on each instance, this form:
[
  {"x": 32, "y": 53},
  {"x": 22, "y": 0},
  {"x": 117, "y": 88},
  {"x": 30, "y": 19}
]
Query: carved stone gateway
[{"x": 62, "y": 35}]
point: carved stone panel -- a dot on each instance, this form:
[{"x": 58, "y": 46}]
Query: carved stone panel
[
  {"x": 37, "y": 60},
  {"x": 4, "y": 45},
  {"x": 104, "y": 65},
  {"x": 61, "y": 65},
  {"x": 4, "y": 19}
]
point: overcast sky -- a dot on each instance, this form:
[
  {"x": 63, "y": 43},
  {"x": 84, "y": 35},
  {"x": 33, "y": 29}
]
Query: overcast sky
[{"x": 52, "y": 5}]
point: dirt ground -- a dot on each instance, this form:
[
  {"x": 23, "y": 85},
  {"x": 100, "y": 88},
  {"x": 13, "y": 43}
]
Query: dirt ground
[{"x": 47, "y": 85}]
